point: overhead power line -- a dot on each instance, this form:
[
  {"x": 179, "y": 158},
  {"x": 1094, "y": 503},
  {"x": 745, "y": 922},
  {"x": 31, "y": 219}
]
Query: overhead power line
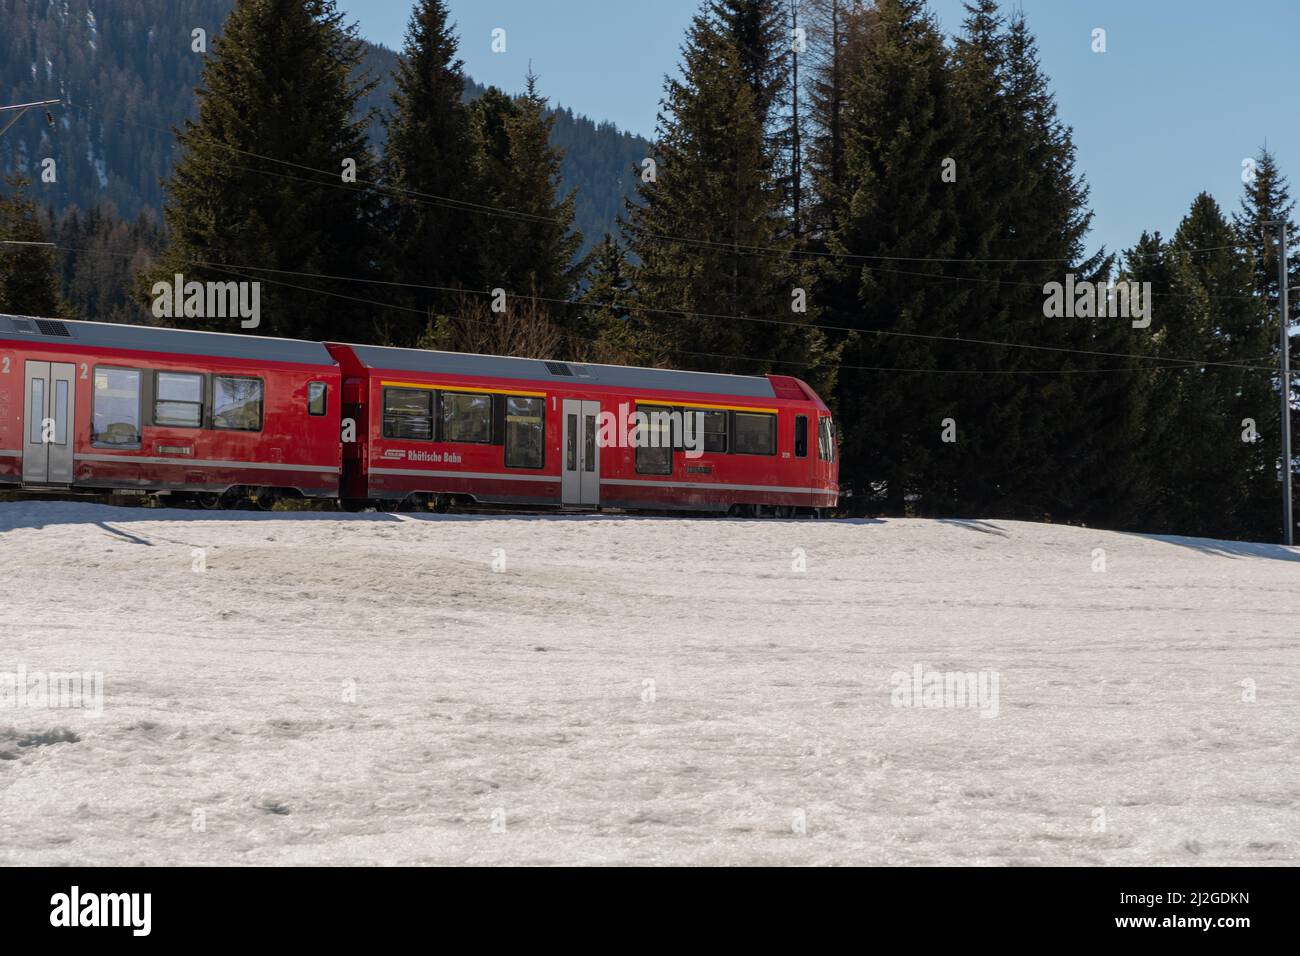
[
  {"x": 572, "y": 303},
  {"x": 745, "y": 248},
  {"x": 750, "y": 358}
]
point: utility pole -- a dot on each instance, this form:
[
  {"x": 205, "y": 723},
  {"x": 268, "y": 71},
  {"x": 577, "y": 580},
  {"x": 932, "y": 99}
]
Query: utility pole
[
  {"x": 1284, "y": 316},
  {"x": 23, "y": 108}
]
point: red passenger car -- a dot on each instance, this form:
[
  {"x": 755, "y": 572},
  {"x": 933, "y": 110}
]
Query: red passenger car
[
  {"x": 447, "y": 425},
  {"x": 219, "y": 417},
  {"x": 89, "y": 405}
]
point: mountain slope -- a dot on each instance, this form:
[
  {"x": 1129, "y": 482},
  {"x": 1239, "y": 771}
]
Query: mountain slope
[{"x": 126, "y": 72}]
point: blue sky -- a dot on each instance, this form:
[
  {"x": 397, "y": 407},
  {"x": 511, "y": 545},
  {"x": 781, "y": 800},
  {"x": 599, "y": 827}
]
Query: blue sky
[{"x": 1185, "y": 90}]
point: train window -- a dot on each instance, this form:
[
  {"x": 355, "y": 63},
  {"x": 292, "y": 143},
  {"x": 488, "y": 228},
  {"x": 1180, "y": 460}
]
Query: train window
[
  {"x": 60, "y": 412},
  {"x": 715, "y": 431},
  {"x": 178, "y": 399},
  {"x": 116, "y": 407},
  {"x": 825, "y": 439},
  {"x": 589, "y": 443},
  {"x": 408, "y": 413},
  {"x": 38, "y": 411},
  {"x": 237, "y": 403},
  {"x": 755, "y": 433},
  {"x": 467, "y": 417},
  {"x": 654, "y": 453},
  {"x": 525, "y": 432},
  {"x": 316, "y": 397},
  {"x": 571, "y": 456},
  {"x": 711, "y": 424},
  {"x": 801, "y": 436}
]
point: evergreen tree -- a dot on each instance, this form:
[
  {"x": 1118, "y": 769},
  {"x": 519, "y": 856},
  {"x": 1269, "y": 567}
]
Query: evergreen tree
[
  {"x": 428, "y": 160},
  {"x": 101, "y": 257},
  {"x": 608, "y": 329},
  {"x": 1266, "y": 198},
  {"x": 278, "y": 100},
  {"x": 491, "y": 177},
  {"x": 29, "y": 283},
  {"x": 543, "y": 245},
  {"x": 761, "y": 35},
  {"x": 1206, "y": 480},
  {"x": 901, "y": 123},
  {"x": 978, "y": 474},
  {"x": 955, "y": 202},
  {"x": 837, "y": 30},
  {"x": 529, "y": 246},
  {"x": 1072, "y": 453},
  {"x": 711, "y": 233}
]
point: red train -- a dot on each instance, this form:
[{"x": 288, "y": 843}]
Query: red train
[{"x": 222, "y": 418}]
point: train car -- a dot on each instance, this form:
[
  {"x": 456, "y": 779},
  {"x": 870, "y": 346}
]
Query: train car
[
  {"x": 90, "y": 405},
  {"x": 444, "y": 427}
]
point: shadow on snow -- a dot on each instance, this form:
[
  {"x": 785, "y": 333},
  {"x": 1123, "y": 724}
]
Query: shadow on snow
[{"x": 17, "y": 515}]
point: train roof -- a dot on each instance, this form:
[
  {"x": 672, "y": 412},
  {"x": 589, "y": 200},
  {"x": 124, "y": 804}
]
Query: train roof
[
  {"x": 540, "y": 370},
  {"x": 265, "y": 348},
  {"x": 111, "y": 335}
]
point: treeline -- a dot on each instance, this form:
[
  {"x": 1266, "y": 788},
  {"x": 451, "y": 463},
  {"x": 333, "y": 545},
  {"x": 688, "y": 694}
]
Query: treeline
[
  {"x": 836, "y": 191},
  {"x": 83, "y": 265},
  {"x": 919, "y": 198}
]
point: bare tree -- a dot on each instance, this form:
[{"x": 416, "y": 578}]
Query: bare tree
[{"x": 524, "y": 329}]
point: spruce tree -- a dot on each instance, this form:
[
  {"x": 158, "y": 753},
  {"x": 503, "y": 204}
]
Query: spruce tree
[
  {"x": 710, "y": 229},
  {"x": 978, "y": 474},
  {"x": 487, "y": 235},
  {"x": 607, "y": 329},
  {"x": 543, "y": 242},
  {"x": 1142, "y": 495},
  {"x": 1069, "y": 448},
  {"x": 278, "y": 100},
  {"x": 761, "y": 35},
  {"x": 428, "y": 162},
  {"x": 837, "y": 30},
  {"x": 1206, "y": 479},
  {"x": 895, "y": 216},
  {"x": 527, "y": 245},
  {"x": 1266, "y": 198},
  {"x": 29, "y": 281}
]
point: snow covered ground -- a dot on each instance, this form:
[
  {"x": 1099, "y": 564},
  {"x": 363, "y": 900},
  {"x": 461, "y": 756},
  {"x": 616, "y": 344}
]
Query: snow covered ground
[{"x": 332, "y": 688}]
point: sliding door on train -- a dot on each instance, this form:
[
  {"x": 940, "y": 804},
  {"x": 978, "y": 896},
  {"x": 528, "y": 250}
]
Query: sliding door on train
[
  {"x": 48, "y": 423},
  {"x": 580, "y": 484}
]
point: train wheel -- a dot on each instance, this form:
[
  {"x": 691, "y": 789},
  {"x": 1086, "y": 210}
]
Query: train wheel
[
  {"x": 210, "y": 500},
  {"x": 266, "y": 500}
]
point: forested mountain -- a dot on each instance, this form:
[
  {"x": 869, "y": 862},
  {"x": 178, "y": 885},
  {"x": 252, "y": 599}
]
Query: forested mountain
[{"x": 126, "y": 70}]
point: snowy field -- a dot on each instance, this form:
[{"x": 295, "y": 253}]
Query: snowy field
[{"x": 367, "y": 689}]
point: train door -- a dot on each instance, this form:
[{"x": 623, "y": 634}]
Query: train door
[
  {"x": 580, "y": 484},
  {"x": 48, "y": 417},
  {"x": 826, "y": 452}
]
